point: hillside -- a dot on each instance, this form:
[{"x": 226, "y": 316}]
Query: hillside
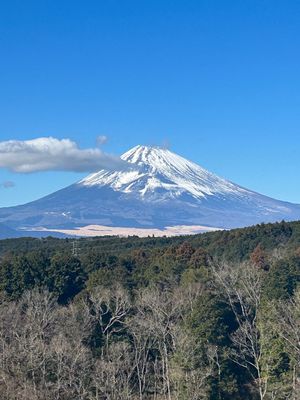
[
  {"x": 211, "y": 316},
  {"x": 234, "y": 245}
]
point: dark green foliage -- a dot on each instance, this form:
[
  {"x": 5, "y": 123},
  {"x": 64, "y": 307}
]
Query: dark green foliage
[
  {"x": 212, "y": 320},
  {"x": 7, "y": 278},
  {"x": 282, "y": 278},
  {"x": 211, "y": 323},
  {"x": 135, "y": 264},
  {"x": 107, "y": 278},
  {"x": 65, "y": 277},
  {"x": 20, "y": 273}
]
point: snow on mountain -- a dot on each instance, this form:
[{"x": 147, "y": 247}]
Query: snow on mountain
[
  {"x": 157, "y": 169},
  {"x": 158, "y": 189}
]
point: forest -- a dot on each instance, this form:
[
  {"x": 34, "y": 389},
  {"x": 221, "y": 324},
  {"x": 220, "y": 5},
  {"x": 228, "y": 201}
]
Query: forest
[{"x": 205, "y": 317}]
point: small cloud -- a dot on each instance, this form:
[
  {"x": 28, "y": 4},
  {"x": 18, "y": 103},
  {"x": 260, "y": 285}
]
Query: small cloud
[
  {"x": 102, "y": 139},
  {"x": 166, "y": 144},
  {"x": 51, "y": 154},
  {"x": 8, "y": 184}
]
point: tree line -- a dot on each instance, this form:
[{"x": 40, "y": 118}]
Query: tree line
[{"x": 159, "y": 319}]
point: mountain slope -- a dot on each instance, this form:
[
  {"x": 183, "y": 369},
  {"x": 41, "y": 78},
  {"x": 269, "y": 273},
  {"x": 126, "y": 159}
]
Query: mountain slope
[
  {"x": 158, "y": 189},
  {"x": 6, "y": 232},
  {"x": 159, "y": 170}
]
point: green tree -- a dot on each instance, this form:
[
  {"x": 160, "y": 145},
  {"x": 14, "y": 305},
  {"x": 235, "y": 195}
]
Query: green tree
[{"x": 66, "y": 277}]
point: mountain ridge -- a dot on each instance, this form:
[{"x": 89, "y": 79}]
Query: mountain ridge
[
  {"x": 155, "y": 161},
  {"x": 158, "y": 189}
]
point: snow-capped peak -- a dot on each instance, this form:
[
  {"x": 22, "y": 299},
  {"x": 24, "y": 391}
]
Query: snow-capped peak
[
  {"x": 158, "y": 171},
  {"x": 157, "y": 189}
]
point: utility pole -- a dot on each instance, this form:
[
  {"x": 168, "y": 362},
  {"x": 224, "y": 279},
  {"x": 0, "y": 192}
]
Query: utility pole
[{"x": 75, "y": 248}]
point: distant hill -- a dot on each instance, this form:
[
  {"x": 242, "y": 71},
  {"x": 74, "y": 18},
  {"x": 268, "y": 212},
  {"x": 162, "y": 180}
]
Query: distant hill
[
  {"x": 242, "y": 242},
  {"x": 6, "y": 232}
]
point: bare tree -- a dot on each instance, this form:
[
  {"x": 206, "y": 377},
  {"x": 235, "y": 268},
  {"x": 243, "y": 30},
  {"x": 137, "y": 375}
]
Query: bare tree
[
  {"x": 243, "y": 287},
  {"x": 142, "y": 344},
  {"x": 288, "y": 317},
  {"x": 110, "y": 306},
  {"x": 42, "y": 352},
  {"x": 158, "y": 312},
  {"x": 189, "y": 375},
  {"x": 72, "y": 369},
  {"x": 112, "y": 375},
  {"x": 25, "y": 332}
]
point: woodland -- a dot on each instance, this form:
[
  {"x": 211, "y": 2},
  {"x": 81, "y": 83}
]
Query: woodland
[{"x": 211, "y": 316}]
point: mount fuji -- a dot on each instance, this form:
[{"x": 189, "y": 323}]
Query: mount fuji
[{"x": 157, "y": 191}]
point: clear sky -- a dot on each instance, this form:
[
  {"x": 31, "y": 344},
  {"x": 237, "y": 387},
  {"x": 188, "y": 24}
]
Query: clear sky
[{"x": 218, "y": 80}]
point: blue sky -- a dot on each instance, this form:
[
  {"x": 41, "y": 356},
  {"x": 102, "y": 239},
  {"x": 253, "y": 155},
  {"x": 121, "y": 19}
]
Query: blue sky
[{"x": 218, "y": 80}]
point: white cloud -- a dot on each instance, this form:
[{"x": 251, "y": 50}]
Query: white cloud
[
  {"x": 102, "y": 139},
  {"x": 49, "y": 154}
]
